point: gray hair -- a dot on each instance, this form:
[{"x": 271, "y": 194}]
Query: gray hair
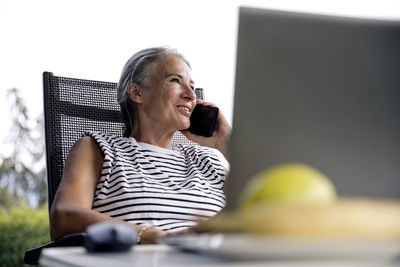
[{"x": 138, "y": 70}]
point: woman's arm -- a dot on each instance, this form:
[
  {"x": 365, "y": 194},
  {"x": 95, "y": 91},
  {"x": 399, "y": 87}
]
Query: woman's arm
[{"x": 71, "y": 210}]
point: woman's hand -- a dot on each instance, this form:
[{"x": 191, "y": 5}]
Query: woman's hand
[
  {"x": 220, "y": 138},
  {"x": 150, "y": 235}
]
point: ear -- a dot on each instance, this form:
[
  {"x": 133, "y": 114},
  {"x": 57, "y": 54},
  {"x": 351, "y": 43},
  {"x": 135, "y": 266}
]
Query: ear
[{"x": 135, "y": 92}]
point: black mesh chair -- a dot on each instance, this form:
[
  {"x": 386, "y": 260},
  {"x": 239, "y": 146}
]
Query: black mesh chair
[{"x": 71, "y": 107}]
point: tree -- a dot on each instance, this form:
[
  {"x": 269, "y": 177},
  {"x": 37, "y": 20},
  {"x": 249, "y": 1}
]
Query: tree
[{"x": 22, "y": 171}]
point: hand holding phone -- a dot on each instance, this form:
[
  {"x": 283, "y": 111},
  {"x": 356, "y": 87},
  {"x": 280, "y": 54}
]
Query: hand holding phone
[{"x": 203, "y": 120}]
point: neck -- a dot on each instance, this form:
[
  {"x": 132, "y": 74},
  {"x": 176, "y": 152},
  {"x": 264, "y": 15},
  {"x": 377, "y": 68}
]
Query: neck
[{"x": 152, "y": 135}]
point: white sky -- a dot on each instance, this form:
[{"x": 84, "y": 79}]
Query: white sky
[{"x": 92, "y": 39}]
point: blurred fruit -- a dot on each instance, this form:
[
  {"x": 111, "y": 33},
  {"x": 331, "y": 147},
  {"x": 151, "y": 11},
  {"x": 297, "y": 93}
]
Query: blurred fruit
[{"x": 289, "y": 184}]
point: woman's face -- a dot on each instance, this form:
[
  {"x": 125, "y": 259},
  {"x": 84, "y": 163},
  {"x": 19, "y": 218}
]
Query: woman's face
[{"x": 168, "y": 101}]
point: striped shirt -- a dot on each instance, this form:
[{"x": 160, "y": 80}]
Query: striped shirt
[{"x": 148, "y": 185}]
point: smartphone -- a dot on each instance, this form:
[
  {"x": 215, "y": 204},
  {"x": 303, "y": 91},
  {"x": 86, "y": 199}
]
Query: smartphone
[{"x": 203, "y": 120}]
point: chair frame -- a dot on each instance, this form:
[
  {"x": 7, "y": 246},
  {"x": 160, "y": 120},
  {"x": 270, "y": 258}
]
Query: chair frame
[{"x": 53, "y": 152}]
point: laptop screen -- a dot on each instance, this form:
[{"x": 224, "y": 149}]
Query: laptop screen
[{"x": 319, "y": 90}]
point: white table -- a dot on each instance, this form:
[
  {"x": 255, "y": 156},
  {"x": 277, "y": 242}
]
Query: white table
[{"x": 163, "y": 256}]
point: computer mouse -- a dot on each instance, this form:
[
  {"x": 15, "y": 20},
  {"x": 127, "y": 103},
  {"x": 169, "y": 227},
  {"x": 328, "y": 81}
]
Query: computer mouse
[{"x": 109, "y": 237}]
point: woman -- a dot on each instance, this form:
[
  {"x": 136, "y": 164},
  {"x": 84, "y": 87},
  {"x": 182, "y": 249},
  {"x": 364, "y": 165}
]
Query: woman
[{"x": 142, "y": 179}]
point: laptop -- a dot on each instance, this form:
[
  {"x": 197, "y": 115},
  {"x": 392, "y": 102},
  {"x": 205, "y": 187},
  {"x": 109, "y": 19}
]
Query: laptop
[
  {"x": 320, "y": 90},
  {"x": 315, "y": 89}
]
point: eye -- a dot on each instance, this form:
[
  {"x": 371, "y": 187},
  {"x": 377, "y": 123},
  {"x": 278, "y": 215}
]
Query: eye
[{"x": 175, "y": 80}]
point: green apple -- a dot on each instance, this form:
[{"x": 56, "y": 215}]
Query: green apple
[{"x": 289, "y": 184}]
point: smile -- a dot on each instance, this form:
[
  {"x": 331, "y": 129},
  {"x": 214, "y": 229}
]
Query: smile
[{"x": 184, "y": 110}]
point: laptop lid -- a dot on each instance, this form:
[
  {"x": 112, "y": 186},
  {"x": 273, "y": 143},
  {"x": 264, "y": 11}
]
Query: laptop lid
[{"x": 319, "y": 90}]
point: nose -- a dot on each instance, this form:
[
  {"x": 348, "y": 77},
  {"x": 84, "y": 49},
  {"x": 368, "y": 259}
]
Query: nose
[{"x": 189, "y": 93}]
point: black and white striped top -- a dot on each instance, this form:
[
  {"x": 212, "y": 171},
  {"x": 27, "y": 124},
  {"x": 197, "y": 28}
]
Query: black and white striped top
[{"x": 149, "y": 185}]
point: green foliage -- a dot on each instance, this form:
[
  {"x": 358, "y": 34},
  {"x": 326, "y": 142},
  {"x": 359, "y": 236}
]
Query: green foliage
[
  {"x": 7, "y": 200},
  {"x": 21, "y": 228}
]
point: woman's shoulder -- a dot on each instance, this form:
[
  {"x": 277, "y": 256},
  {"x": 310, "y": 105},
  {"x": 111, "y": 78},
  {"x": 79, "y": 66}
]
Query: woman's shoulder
[
  {"x": 197, "y": 151},
  {"x": 103, "y": 136},
  {"x": 107, "y": 139},
  {"x": 99, "y": 134}
]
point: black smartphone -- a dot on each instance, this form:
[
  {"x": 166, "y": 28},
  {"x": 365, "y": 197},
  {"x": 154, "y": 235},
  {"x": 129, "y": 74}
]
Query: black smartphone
[{"x": 203, "y": 120}]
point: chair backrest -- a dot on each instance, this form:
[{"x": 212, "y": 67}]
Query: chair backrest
[{"x": 74, "y": 106}]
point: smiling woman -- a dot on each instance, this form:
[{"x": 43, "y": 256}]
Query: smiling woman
[{"x": 141, "y": 179}]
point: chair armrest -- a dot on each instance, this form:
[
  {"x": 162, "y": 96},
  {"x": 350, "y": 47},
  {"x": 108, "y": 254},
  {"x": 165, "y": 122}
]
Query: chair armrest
[{"x": 32, "y": 255}]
